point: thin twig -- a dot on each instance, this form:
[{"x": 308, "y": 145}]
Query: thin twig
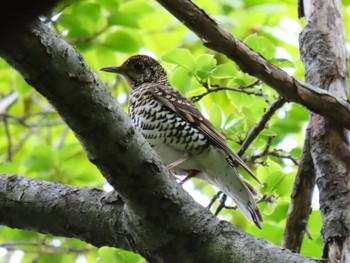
[
  {"x": 276, "y": 153},
  {"x": 221, "y": 205},
  {"x": 216, "y": 88},
  {"x": 215, "y": 197},
  {"x": 265, "y": 198},
  {"x": 254, "y": 132}
]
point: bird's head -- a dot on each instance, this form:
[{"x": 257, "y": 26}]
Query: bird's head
[{"x": 140, "y": 69}]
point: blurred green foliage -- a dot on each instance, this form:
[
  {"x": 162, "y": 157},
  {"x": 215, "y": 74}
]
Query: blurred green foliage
[{"x": 35, "y": 142}]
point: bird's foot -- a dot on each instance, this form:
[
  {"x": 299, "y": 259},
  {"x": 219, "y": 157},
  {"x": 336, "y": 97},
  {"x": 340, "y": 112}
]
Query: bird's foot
[
  {"x": 190, "y": 175},
  {"x": 177, "y": 162}
]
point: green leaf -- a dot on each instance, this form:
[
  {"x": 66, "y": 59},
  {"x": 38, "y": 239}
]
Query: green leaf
[
  {"x": 139, "y": 7},
  {"x": 18, "y": 234},
  {"x": 115, "y": 255},
  {"x": 21, "y": 86},
  {"x": 250, "y": 117},
  {"x": 78, "y": 32},
  {"x": 262, "y": 45},
  {"x": 204, "y": 65},
  {"x": 91, "y": 11},
  {"x": 215, "y": 115},
  {"x": 277, "y": 212},
  {"x": 181, "y": 80},
  {"x": 181, "y": 57},
  {"x": 271, "y": 175},
  {"x": 130, "y": 13},
  {"x": 55, "y": 258},
  {"x": 230, "y": 120},
  {"x": 110, "y": 4},
  {"x": 313, "y": 248},
  {"x": 43, "y": 160},
  {"x": 266, "y": 132},
  {"x": 104, "y": 56},
  {"x": 282, "y": 63},
  {"x": 9, "y": 168},
  {"x": 82, "y": 19},
  {"x": 223, "y": 71},
  {"x": 108, "y": 255},
  {"x": 67, "y": 21},
  {"x": 124, "y": 41},
  {"x": 68, "y": 150},
  {"x": 238, "y": 81},
  {"x": 125, "y": 19}
]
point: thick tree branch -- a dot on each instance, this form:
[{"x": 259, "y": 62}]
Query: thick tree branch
[
  {"x": 292, "y": 89},
  {"x": 62, "y": 210},
  {"x": 300, "y": 203},
  {"x": 165, "y": 224}
]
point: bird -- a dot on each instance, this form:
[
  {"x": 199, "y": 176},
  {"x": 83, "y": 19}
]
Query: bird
[{"x": 186, "y": 142}]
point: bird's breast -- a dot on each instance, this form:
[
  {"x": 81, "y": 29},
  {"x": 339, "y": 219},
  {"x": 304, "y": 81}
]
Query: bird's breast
[{"x": 162, "y": 126}]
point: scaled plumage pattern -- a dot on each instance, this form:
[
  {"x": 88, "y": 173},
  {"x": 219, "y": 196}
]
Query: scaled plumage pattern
[{"x": 183, "y": 138}]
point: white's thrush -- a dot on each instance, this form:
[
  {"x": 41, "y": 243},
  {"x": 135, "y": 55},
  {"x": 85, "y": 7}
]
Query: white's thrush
[{"x": 183, "y": 138}]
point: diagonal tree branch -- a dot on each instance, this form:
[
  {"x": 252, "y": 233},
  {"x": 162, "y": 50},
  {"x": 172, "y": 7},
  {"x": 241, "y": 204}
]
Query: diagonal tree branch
[
  {"x": 292, "y": 89},
  {"x": 160, "y": 216}
]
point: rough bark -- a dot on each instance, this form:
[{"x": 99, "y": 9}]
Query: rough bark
[
  {"x": 94, "y": 216},
  {"x": 300, "y": 204},
  {"x": 323, "y": 51},
  {"x": 164, "y": 222},
  {"x": 62, "y": 210},
  {"x": 292, "y": 89}
]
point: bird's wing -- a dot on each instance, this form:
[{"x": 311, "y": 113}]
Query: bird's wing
[{"x": 188, "y": 111}]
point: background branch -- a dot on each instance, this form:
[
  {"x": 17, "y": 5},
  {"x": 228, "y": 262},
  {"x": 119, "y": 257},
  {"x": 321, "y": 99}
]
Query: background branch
[
  {"x": 300, "y": 205},
  {"x": 291, "y": 89}
]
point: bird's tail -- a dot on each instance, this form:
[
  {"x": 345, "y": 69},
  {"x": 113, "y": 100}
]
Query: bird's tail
[
  {"x": 245, "y": 201},
  {"x": 228, "y": 180}
]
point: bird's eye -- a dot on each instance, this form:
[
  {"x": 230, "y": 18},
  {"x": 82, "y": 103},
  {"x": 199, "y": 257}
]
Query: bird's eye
[{"x": 139, "y": 66}]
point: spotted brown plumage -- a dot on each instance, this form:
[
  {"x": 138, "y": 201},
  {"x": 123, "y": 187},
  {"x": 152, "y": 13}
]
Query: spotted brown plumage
[{"x": 183, "y": 138}]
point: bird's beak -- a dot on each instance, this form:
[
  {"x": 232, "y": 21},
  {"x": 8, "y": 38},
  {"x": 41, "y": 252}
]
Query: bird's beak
[{"x": 118, "y": 70}]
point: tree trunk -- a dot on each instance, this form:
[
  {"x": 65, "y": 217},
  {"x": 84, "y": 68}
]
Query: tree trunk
[{"x": 323, "y": 51}]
